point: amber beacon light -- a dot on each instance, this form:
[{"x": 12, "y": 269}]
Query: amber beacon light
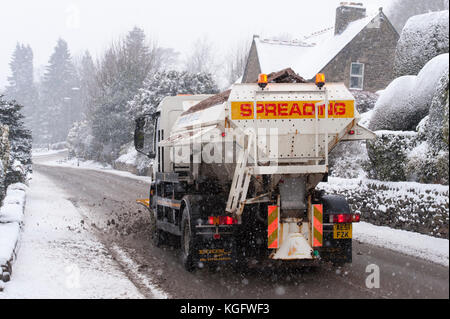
[
  {"x": 262, "y": 81},
  {"x": 320, "y": 80}
]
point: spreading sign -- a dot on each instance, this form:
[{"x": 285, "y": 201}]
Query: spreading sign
[{"x": 291, "y": 110}]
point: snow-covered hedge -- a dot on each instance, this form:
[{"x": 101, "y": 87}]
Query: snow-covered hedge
[
  {"x": 11, "y": 220},
  {"x": 425, "y": 166},
  {"x": 406, "y": 156},
  {"x": 435, "y": 126},
  {"x": 349, "y": 159},
  {"x": 4, "y": 158},
  {"x": 412, "y": 116},
  {"x": 423, "y": 37},
  {"x": 388, "y": 154},
  {"x": 365, "y": 100},
  {"x": 407, "y": 99},
  {"x": 421, "y": 208}
]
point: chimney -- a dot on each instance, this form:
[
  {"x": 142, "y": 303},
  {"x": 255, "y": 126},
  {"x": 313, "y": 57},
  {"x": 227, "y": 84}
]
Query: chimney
[{"x": 346, "y": 13}]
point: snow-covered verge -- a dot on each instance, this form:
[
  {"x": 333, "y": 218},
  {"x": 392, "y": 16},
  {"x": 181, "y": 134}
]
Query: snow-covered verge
[
  {"x": 11, "y": 221},
  {"x": 44, "y": 151},
  {"x": 406, "y": 242},
  {"x": 59, "y": 257},
  {"x": 421, "y": 208},
  {"x": 131, "y": 161}
]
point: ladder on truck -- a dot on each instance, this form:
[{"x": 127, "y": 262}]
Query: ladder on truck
[
  {"x": 242, "y": 175},
  {"x": 241, "y": 181}
]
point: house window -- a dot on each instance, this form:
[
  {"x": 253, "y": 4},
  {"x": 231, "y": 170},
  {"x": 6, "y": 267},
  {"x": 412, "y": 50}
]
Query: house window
[{"x": 357, "y": 76}]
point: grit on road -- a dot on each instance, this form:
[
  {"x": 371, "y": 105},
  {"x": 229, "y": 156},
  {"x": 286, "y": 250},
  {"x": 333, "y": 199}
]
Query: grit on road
[{"x": 107, "y": 203}]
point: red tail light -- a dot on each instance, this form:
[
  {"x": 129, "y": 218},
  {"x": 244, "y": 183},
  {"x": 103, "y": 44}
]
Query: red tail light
[
  {"x": 222, "y": 220},
  {"x": 345, "y": 218}
]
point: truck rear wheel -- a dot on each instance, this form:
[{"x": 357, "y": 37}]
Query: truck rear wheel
[{"x": 187, "y": 242}]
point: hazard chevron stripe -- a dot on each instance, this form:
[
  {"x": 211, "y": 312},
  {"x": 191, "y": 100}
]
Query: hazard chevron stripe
[
  {"x": 318, "y": 225},
  {"x": 272, "y": 230}
]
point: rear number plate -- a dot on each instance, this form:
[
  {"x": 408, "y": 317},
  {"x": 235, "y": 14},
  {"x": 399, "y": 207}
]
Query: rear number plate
[{"x": 342, "y": 231}]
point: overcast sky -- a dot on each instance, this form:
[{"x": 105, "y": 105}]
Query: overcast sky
[{"x": 93, "y": 24}]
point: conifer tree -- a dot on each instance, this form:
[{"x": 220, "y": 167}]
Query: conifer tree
[
  {"x": 21, "y": 86},
  {"x": 60, "y": 100},
  {"x": 19, "y": 141}
]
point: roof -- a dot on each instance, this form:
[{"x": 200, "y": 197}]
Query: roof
[
  {"x": 284, "y": 76},
  {"x": 310, "y": 56}
]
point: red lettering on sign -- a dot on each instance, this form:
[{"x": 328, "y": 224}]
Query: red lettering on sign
[
  {"x": 282, "y": 109},
  {"x": 308, "y": 105},
  {"x": 260, "y": 108},
  {"x": 246, "y": 110},
  {"x": 272, "y": 109},
  {"x": 295, "y": 109},
  {"x": 339, "y": 109}
]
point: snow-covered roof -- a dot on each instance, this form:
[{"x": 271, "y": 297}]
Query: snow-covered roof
[{"x": 310, "y": 56}]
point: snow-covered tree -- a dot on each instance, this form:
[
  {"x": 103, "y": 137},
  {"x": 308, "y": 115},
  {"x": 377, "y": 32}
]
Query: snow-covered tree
[
  {"x": 170, "y": 83},
  {"x": 19, "y": 139},
  {"x": 59, "y": 97},
  {"x": 399, "y": 11},
  {"x": 424, "y": 37},
  {"x": 121, "y": 73},
  {"x": 21, "y": 86},
  {"x": 88, "y": 86}
]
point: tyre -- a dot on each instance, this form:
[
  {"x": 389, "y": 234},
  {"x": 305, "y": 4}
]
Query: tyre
[{"x": 187, "y": 242}]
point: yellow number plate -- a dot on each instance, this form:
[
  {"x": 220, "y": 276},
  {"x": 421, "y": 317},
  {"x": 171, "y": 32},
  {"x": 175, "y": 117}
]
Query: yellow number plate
[{"x": 342, "y": 231}]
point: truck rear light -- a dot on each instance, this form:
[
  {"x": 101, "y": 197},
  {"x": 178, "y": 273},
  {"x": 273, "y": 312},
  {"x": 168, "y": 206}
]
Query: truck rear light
[
  {"x": 345, "y": 218},
  {"x": 222, "y": 220}
]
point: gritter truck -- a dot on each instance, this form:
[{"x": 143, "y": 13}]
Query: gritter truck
[{"x": 234, "y": 175}]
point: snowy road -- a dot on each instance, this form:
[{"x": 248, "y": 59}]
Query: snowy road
[{"x": 106, "y": 203}]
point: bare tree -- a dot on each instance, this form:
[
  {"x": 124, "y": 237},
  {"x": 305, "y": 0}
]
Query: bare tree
[
  {"x": 201, "y": 59},
  {"x": 166, "y": 59},
  {"x": 236, "y": 60}
]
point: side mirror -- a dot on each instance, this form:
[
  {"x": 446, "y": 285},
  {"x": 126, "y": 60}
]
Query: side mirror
[{"x": 143, "y": 137}]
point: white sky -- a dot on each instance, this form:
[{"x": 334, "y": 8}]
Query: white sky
[{"x": 93, "y": 24}]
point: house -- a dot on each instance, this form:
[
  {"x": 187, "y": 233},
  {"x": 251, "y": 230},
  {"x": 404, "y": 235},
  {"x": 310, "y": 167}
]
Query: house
[{"x": 359, "y": 51}]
